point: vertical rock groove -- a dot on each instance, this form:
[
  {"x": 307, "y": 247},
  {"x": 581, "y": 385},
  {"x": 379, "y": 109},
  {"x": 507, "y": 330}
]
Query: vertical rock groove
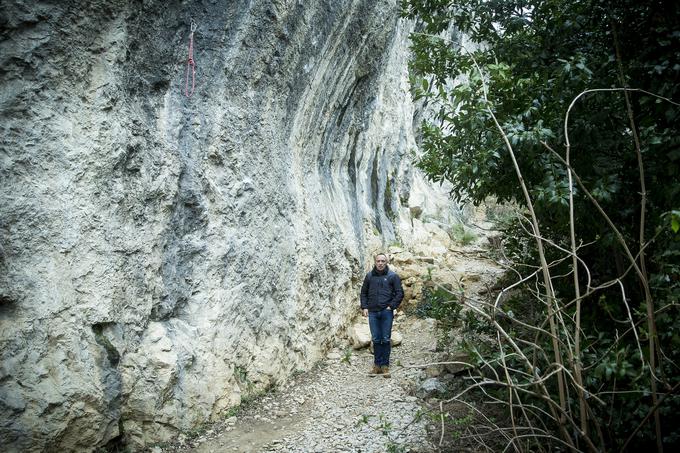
[{"x": 156, "y": 248}]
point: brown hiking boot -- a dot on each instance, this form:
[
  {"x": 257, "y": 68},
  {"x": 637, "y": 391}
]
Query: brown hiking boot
[
  {"x": 376, "y": 370},
  {"x": 385, "y": 371}
]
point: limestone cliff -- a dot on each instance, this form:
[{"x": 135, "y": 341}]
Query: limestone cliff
[{"x": 162, "y": 254}]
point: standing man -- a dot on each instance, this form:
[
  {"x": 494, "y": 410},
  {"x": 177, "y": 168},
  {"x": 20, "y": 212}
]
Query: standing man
[{"x": 381, "y": 294}]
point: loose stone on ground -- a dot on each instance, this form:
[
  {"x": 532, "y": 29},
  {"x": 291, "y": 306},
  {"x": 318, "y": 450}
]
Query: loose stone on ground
[{"x": 338, "y": 407}]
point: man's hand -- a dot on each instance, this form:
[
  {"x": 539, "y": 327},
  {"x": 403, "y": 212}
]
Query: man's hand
[{"x": 364, "y": 312}]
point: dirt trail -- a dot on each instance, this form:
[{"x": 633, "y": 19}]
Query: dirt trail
[{"x": 337, "y": 407}]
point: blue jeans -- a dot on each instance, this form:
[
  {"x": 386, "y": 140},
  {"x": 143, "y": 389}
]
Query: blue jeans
[{"x": 380, "y": 323}]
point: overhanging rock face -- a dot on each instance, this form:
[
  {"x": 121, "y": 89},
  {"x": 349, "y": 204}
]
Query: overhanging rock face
[{"x": 162, "y": 254}]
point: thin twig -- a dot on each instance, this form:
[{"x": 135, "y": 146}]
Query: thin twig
[{"x": 441, "y": 413}]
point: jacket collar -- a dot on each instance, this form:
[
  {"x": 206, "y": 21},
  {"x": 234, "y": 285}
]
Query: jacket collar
[{"x": 385, "y": 272}]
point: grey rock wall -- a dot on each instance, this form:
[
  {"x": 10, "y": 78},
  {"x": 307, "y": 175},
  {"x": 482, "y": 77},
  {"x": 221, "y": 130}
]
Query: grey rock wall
[{"x": 162, "y": 255}]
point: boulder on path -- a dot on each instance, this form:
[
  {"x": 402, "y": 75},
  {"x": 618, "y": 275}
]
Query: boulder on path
[
  {"x": 457, "y": 362},
  {"x": 397, "y": 338},
  {"x": 359, "y": 335},
  {"x": 430, "y": 387}
]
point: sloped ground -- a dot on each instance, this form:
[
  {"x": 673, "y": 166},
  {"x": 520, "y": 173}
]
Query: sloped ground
[{"x": 337, "y": 407}]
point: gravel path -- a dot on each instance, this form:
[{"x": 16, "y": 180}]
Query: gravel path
[{"x": 337, "y": 407}]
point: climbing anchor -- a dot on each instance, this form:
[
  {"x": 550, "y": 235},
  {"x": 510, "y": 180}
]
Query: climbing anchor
[{"x": 191, "y": 65}]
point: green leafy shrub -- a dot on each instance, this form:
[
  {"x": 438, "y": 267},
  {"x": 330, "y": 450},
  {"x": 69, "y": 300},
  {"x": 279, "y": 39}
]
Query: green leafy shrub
[
  {"x": 498, "y": 78},
  {"x": 439, "y": 303},
  {"x": 462, "y": 235}
]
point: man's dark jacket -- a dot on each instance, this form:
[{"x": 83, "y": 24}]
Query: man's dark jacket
[{"x": 380, "y": 290}]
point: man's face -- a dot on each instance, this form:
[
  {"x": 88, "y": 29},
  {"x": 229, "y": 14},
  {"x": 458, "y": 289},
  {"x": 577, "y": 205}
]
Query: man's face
[{"x": 380, "y": 262}]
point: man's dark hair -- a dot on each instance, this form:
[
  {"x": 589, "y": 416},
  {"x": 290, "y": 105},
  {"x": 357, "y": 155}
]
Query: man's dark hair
[{"x": 378, "y": 254}]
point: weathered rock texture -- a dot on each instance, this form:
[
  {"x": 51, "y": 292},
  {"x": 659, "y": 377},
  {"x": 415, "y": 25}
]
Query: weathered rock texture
[{"x": 160, "y": 255}]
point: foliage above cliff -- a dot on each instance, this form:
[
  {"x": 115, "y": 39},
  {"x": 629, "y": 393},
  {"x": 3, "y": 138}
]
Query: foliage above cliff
[{"x": 501, "y": 78}]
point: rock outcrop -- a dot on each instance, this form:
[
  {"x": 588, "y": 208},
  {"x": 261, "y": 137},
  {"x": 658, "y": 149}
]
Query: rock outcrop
[{"x": 160, "y": 254}]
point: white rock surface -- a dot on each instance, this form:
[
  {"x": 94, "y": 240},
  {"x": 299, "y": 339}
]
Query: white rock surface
[
  {"x": 162, "y": 255},
  {"x": 359, "y": 335},
  {"x": 397, "y": 338}
]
